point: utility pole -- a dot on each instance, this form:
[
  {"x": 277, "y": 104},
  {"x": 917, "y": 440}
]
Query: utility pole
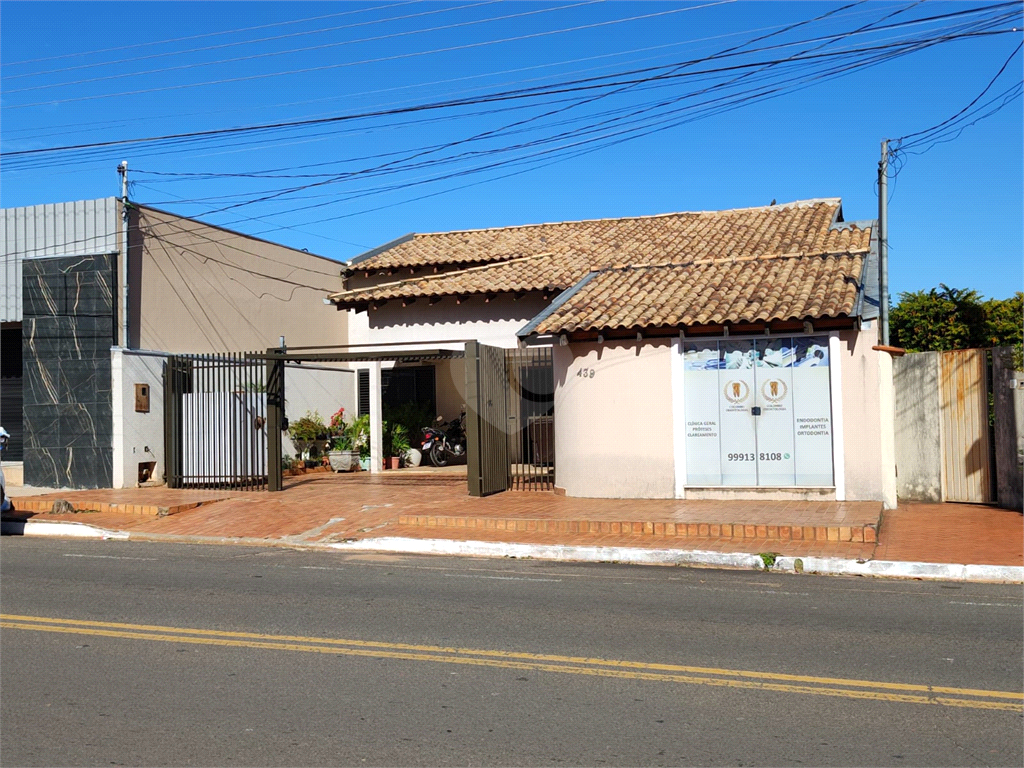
[
  {"x": 883, "y": 245},
  {"x": 122, "y": 170}
]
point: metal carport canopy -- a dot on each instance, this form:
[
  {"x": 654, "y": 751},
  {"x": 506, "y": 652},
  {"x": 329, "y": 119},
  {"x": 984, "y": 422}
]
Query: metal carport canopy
[
  {"x": 372, "y": 355},
  {"x": 279, "y": 357}
]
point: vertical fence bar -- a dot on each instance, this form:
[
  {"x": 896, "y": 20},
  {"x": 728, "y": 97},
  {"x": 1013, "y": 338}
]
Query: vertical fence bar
[
  {"x": 259, "y": 376},
  {"x": 251, "y": 422},
  {"x": 231, "y": 467},
  {"x": 220, "y": 455},
  {"x": 210, "y": 423},
  {"x": 171, "y": 423},
  {"x": 248, "y": 420},
  {"x": 275, "y": 415},
  {"x": 264, "y": 436},
  {"x": 204, "y": 422}
]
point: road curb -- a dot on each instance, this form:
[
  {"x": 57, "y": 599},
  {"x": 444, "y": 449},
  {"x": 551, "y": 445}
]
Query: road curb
[
  {"x": 631, "y": 555},
  {"x": 899, "y": 569},
  {"x": 52, "y": 528},
  {"x": 825, "y": 566}
]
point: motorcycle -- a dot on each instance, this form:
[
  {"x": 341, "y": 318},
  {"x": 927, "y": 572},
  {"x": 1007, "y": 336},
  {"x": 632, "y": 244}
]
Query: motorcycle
[
  {"x": 446, "y": 441},
  {"x": 5, "y": 503}
]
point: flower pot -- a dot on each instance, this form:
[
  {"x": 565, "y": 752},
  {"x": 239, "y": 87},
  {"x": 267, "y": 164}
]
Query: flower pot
[
  {"x": 364, "y": 464},
  {"x": 392, "y": 462},
  {"x": 344, "y": 461},
  {"x": 413, "y": 457}
]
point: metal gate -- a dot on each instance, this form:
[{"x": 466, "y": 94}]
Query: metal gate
[
  {"x": 966, "y": 451},
  {"x": 509, "y": 419},
  {"x": 215, "y": 421},
  {"x": 486, "y": 442},
  {"x": 530, "y": 406}
]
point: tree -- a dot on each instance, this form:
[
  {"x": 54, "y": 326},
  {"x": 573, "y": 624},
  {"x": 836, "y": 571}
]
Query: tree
[
  {"x": 952, "y": 318},
  {"x": 1005, "y": 321}
]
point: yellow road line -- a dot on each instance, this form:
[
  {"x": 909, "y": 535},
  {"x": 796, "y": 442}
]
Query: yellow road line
[{"x": 502, "y": 659}]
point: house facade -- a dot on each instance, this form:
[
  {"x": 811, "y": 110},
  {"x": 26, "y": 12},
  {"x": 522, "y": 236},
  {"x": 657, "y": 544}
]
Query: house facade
[{"x": 721, "y": 354}]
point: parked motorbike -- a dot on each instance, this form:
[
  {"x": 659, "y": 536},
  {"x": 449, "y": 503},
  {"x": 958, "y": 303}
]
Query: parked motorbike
[
  {"x": 5, "y": 503},
  {"x": 446, "y": 441}
]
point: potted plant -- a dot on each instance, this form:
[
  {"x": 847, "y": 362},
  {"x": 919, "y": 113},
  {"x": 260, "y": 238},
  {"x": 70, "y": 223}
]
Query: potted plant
[
  {"x": 343, "y": 456},
  {"x": 359, "y": 429},
  {"x": 396, "y": 443},
  {"x": 309, "y": 434}
]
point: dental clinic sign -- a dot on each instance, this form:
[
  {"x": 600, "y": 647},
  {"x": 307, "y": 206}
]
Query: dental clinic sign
[{"x": 758, "y": 413}]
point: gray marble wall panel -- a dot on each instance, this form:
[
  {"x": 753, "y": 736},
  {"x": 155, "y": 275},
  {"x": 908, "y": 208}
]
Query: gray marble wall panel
[{"x": 67, "y": 333}]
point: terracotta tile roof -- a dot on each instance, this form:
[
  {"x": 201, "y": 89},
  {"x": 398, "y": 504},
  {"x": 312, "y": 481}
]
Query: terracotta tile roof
[
  {"x": 709, "y": 293},
  {"x": 553, "y": 257}
]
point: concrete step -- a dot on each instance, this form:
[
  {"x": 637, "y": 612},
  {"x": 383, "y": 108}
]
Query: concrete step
[{"x": 866, "y": 533}]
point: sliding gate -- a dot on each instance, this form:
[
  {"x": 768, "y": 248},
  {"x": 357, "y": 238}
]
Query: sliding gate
[
  {"x": 510, "y": 429},
  {"x": 215, "y": 421}
]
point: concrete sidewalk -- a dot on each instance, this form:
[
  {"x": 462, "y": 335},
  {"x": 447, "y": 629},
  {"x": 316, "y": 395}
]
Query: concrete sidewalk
[{"x": 429, "y": 511}]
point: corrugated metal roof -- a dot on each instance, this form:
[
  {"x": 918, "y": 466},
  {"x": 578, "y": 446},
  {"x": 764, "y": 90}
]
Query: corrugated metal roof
[{"x": 80, "y": 228}]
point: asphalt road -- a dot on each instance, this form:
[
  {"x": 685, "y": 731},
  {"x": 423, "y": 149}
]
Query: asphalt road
[{"x": 240, "y": 656}]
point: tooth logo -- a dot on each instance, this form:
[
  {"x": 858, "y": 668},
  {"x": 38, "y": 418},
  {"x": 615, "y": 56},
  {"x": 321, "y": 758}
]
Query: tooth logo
[
  {"x": 774, "y": 390},
  {"x": 736, "y": 391}
]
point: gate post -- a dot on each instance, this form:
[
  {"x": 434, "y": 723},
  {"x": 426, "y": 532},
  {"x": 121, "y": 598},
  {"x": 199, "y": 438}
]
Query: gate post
[
  {"x": 173, "y": 388},
  {"x": 275, "y": 417}
]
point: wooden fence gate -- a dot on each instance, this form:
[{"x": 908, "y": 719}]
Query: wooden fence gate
[{"x": 966, "y": 436}]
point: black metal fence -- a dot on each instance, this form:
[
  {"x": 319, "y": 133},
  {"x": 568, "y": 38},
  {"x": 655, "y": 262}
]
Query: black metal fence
[
  {"x": 530, "y": 397},
  {"x": 216, "y": 421}
]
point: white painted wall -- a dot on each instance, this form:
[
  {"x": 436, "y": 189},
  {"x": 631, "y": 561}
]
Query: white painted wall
[
  {"x": 887, "y": 430},
  {"x": 319, "y": 388},
  {"x": 613, "y": 431},
  {"x": 138, "y": 437},
  {"x": 495, "y": 322},
  {"x": 450, "y": 382},
  {"x": 862, "y": 415}
]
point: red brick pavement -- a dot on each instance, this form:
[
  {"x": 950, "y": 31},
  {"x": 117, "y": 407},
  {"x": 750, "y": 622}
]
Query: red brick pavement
[
  {"x": 952, "y": 533},
  {"x": 328, "y": 508}
]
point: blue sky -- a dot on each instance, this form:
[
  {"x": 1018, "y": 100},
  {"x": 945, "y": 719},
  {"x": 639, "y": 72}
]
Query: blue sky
[{"x": 115, "y": 71}]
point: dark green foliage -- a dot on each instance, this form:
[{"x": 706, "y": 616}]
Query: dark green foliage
[
  {"x": 951, "y": 318},
  {"x": 412, "y": 416}
]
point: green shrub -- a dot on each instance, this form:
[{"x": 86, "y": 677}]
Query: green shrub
[{"x": 309, "y": 427}]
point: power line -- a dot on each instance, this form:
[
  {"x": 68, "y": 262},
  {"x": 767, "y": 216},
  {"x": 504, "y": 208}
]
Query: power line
[
  {"x": 665, "y": 126},
  {"x": 420, "y": 85},
  {"x": 204, "y": 35},
  {"x": 181, "y": 200},
  {"x": 237, "y": 43},
  {"x": 923, "y": 135},
  {"x": 536, "y": 92},
  {"x": 255, "y": 273},
  {"x": 378, "y": 60},
  {"x": 308, "y": 49},
  {"x": 758, "y": 93},
  {"x": 550, "y": 113}
]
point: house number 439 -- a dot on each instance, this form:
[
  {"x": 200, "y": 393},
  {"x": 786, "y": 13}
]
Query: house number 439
[{"x": 585, "y": 373}]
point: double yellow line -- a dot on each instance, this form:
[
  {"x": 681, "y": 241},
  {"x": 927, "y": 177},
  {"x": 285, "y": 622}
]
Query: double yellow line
[{"x": 629, "y": 670}]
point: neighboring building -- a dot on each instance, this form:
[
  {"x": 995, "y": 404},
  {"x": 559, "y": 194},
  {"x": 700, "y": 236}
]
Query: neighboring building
[
  {"x": 722, "y": 354},
  {"x": 70, "y": 400}
]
